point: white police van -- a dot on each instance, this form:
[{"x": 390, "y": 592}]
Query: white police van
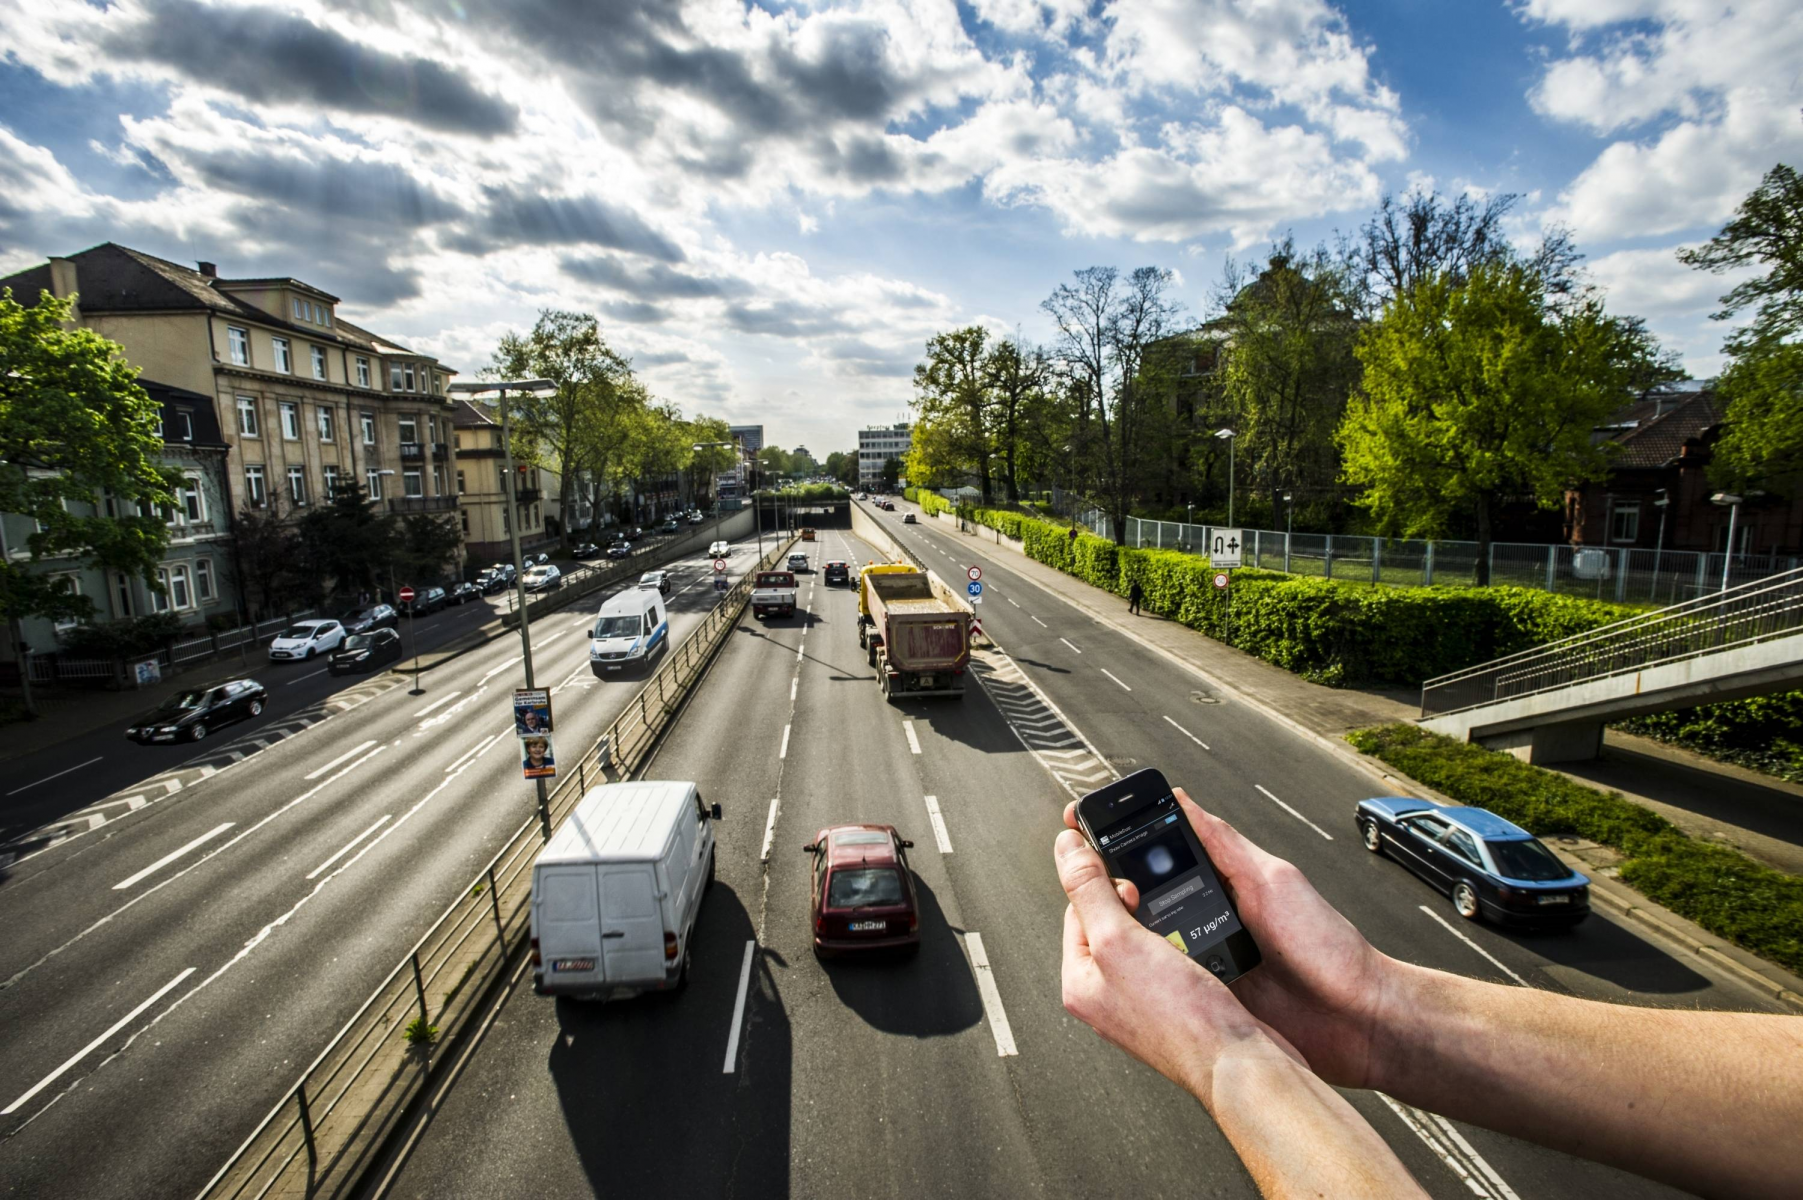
[{"x": 632, "y": 628}]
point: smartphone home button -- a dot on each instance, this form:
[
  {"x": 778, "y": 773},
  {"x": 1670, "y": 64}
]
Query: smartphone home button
[{"x": 1216, "y": 964}]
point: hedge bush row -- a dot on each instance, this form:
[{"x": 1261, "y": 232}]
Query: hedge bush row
[
  {"x": 1721, "y": 889},
  {"x": 1760, "y": 732},
  {"x": 1324, "y": 630}
]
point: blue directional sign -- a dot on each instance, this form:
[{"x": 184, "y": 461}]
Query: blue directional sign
[{"x": 974, "y": 588}]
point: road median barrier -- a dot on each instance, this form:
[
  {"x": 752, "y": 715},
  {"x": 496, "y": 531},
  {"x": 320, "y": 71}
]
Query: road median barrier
[{"x": 336, "y": 1123}]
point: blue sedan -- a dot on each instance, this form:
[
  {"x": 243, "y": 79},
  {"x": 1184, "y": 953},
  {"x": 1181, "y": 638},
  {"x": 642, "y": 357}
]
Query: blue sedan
[{"x": 1491, "y": 868}]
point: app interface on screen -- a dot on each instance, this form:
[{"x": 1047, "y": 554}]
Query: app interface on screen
[{"x": 1179, "y": 896}]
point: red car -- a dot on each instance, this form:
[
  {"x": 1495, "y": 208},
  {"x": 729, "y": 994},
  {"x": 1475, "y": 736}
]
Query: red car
[{"x": 863, "y": 893}]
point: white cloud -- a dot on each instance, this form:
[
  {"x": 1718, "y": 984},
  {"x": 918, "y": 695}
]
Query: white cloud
[{"x": 1673, "y": 298}]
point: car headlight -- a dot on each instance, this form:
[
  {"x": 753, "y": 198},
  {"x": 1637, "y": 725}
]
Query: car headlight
[
  {"x": 167, "y": 729},
  {"x": 132, "y": 732},
  {"x": 359, "y": 656}
]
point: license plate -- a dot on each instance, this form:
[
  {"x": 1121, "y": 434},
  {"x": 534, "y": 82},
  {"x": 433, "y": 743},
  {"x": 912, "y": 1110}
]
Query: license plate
[
  {"x": 1561, "y": 899},
  {"x": 927, "y": 681},
  {"x": 573, "y": 964},
  {"x": 867, "y": 926}
]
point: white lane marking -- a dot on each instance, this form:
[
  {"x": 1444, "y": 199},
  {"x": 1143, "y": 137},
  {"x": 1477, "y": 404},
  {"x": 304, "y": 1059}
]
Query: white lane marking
[
  {"x": 1286, "y": 808},
  {"x": 776, "y": 803},
  {"x": 1186, "y": 733},
  {"x": 1469, "y": 1166},
  {"x": 347, "y": 847},
  {"x": 913, "y": 742},
  {"x": 784, "y": 752},
  {"x": 1010, "y": 600},
  {"x": 516, "y": 658},
  {"x": 992, "y": 996},
  {"x": 738, "y": 1011},
  {"x": 801, "y": 649},
  {"x": 303, "y": 678},
  {"x": 1038, "y": 622},
  {"x": 164, "y": 861},
  {"x": 439, "y": 703},
  {"x": 1067, "y": 642},
  {"x": 940, "y": 833},
  {"x": 1114, "y": 677},
  {"x": 579, "y": 622},
  {"x": 88, "y": 1049},
  {"x": 347, "y": 754},
  {"x": 792, "y": 685},
  {"x": 1466, "y": 938},
  {"x": 58, "y": 775}
]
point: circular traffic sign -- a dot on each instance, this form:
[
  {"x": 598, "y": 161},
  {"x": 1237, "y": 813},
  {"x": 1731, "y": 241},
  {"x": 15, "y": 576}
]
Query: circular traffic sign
[
  {"x": 719, "y": 564},
  {"x": 974, "y": 588},
  {"x": 406, "y": 595},
  {"x": 975, "y": 573},
  {"x": 1220, "y": 580}
]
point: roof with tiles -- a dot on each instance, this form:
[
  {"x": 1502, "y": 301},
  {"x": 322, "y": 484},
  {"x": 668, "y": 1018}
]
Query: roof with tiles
[{"x": 1653, "y": 431}]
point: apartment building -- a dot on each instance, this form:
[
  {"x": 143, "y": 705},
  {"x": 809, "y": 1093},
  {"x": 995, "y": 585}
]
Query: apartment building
[
  {"x": 877, "y": 444},
  {"x": 481, "y": 489}
]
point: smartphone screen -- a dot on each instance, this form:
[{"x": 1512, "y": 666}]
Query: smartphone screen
[{"x": 1144, "y": 836}]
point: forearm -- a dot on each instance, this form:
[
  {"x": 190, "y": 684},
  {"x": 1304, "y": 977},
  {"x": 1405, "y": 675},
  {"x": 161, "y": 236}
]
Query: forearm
[
  {"x": 1708, "y": 1101},
  {"x": 1296, "y": 1135}
]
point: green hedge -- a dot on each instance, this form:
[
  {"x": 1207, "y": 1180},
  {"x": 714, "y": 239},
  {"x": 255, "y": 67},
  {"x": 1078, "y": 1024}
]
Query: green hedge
[
  {"x": 1325, "y": 630},
  {"x": 1761, "y": 732},
  {"x": 1721, "y": 889}
]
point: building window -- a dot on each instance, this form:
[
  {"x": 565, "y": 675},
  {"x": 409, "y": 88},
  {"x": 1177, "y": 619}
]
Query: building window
[
  {"x": 410, "y": 377},
  {"x": 438, "y": 479},
  {"x": 297, "y": 486},
  {"x": 122, "y": 593},
  {"x": 300, "y": 310},
  {"x": 184, "y": 421},
  {"x": 465, "y": 514},
  {"x": 373, "y": 482},
  {"x": 325, "y": 423},
  {"x": 363, "y": 372},
  {"x": 460, "y": 483},
  {"x": 254, "y": 492},
  {"x": 319, "y": 362},
  {"x": 70, "y": 584},
  {"x": 413, "y": 483},
  {"x": 369, "y": 429},
  {"x": 438, "y": 385},
  {"x": 291, "y": 420},
  {"x": 409, "y": 431},
  {"x": 331, "y": 474},
  {"x": 193, "y": 503},
  {"x": 432, "y": 429},
  {"x": 247, "y": 416},
  {"x": 176, "y": 594},
  {"x": 394, "y": 378},
  {"x": 239, "y": 341},
  {"x": 1624, "y": 523},
  {"x": 325, "y": 316},
  {"x": 284, "y": 359},
  {"x": 203, "y": 578}
]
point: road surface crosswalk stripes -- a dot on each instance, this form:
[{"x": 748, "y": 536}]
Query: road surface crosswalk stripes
[{"x": 1036, "y": 721}]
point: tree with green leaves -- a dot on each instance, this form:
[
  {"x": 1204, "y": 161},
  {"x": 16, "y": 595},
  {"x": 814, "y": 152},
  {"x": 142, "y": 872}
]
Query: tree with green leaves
[
  {"x": 1763, "y": 385},
  {"x": 1019, "y": 378},
  {"x": 892, "y": 473},
  {"x": 76, "y": 431},
  {"x": 953, "y": 438},
  {"x": 842, "y": 465},
  {"x": 1479, "y": 388}
]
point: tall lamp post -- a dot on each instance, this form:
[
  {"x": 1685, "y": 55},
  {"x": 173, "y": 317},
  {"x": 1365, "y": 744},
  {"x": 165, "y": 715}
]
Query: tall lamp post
[
  {"x": 1662, "y": 504},
  {"x": 1289, "y": 523},
  {"x": 532, "y": 387},
  {"x": 1231, "y": 437},
  {"x": 1732, "y": 503}
]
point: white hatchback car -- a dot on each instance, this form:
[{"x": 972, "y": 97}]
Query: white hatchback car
[
  {"x": 719, "y": 550},
  {"x": 304, "y": 639}
]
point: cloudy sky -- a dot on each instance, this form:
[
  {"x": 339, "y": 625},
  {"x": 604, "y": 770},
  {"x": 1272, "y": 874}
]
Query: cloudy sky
[{"x": 772, "y": 205}]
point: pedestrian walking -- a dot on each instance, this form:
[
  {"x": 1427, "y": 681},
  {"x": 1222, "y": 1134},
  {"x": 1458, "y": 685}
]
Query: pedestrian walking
[{"x": 1135, "y": 594}]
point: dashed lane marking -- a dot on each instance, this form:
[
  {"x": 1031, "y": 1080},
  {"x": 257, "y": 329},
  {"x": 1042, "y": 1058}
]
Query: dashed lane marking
[
  {"x": 738, "y": 1010},
  {"x": 1186, "y": 733},
  {"x": 1452, "y": 1149},
  {"x": 913, "y": 741},
  {"x": 1286, "y": 808},
  {"x": 992, "y": 996},
  {"x": 940, "y": 834},
  {"x": 1466, "y": 938},
  {"x": 88, "y": 1049},
  {"x": 1115, "y": 677},
  {"x": 172, "y": 856}
]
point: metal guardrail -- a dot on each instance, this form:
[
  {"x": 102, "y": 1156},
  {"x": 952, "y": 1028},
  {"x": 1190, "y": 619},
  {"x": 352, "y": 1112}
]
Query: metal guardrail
[
  {"x": 333, "y": 1123},
  {"x": 1740, "y": 616}
]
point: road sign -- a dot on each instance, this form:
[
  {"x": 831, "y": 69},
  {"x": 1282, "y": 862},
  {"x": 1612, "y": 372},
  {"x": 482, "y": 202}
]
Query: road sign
[
  {"x": 531, "y": 711},
  {"x": 974, "y": 588},
  {"x": 722, "y": 584},
  {"x": 406, "y": 595},
  {"x": 1220, "y": 579},
  {"x": 975, "y": 573},
  {"x": 719, "y": 565},
  {"x": 1224, "y": 548}
]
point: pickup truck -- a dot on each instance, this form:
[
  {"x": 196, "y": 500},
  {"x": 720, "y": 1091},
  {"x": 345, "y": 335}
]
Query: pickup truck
[
  {"x": 773, "y": 592},
  {"x": 916, "y": 631}
]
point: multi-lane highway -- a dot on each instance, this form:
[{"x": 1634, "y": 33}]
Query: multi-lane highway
[
  {"x": 165, "y": 977},
  {"x": 959, "y": 1073}
]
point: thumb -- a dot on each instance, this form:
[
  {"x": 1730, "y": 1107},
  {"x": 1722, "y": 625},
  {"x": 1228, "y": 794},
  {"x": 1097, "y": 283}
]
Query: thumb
[{"x": 1091, "y": 891}]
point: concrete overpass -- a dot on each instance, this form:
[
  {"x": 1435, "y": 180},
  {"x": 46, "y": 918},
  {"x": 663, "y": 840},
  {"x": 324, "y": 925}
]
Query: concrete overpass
[{"x": 1550, "y": 704}]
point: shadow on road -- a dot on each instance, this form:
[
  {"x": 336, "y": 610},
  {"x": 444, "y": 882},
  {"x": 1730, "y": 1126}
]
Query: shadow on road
[
  {"x": 932, "y": 994},
  {"x": 1609, "y": 952}
]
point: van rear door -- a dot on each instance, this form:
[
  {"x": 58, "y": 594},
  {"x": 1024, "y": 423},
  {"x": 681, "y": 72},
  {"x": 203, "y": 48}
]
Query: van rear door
[
  {"x": 632, "y": 926},
  {"x": 569, "y": 925}
]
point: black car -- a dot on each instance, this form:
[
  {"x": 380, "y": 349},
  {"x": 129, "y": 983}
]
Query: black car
[
  {"x": 373, "y": 616},
  {"x": 192, "y": 715},
  {"x": 462, "y": 593},
  {"x": 1490, "y": 867},
  {"x": 365, "y": 652},
  {"x": 586, "y": 550},
  {"x": 836, "y": 572},
  {"x": 427, "y": 600},
  {"x": 620, "y": 550}
]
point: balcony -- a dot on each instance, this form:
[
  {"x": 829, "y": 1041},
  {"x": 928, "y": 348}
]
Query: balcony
[
  {"x": 526, "y": 495},
  {"x": 440, "y": 451},
  {"x": 422, "y": 504},
  {"x": 413, "y": 452}
]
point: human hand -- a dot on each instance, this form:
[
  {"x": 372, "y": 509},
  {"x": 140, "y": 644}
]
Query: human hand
[{"x": 1321, "y": 984}]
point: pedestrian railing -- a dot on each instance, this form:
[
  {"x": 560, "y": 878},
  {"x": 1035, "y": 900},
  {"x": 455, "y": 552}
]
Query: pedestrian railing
[
  {"x": 1740, "y": 616},
  {"x": 332, "y": 1125}
]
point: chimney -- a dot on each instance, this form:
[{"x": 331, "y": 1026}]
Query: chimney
[{"x": 210, "y": 270}]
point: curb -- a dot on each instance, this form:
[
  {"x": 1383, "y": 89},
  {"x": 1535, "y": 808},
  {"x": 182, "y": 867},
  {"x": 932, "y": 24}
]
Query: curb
[{"x": 1787, "y": 989}]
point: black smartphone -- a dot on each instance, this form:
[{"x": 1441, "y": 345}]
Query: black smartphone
[{"x": 1137, "y": 827}]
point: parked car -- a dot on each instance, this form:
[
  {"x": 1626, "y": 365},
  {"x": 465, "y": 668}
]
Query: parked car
[
  {"x": 798, "y": 561},
  {"x": 373, "y": 616},
  {"x": 837, "y": 572},
  {"x": 1491, "y": 867},
  {"x": 586, "y": 550},
  {"x": 907, "y": 518},
  {"x": 428, "y": 600},
  {"x": 194, "y": 714},
  {"x": 543, "y": 579},
  {"x": 620, "y": 549},
  {"x": 494, "y": 579},
  {"x": 304, "y": 639},
  {"x": 656, "y": 579},
  {"x": 696, "y": 518},
  {"x": 366, "y": 652},
  {"x": 462, "y": 593},
  {"x": 863, "y": 895},
  {"x": 672, "y": 526},
  {"x": 719, "y": 550}
]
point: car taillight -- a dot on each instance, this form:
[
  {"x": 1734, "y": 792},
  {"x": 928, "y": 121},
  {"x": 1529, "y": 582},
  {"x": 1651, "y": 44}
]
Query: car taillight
[
  {"x": 820, "y": 924},
  {"x": 669, "y": 946},
  {"x": 536, "y": 960},
  {"x": 913, "y": 923}
]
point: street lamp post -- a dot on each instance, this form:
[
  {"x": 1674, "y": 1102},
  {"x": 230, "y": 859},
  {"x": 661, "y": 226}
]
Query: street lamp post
[
  {"x": 1289, "y": 523},
  {"x": 1231, "y": 438},
  {"x": 1732, "y": 503},
  {"x": 1662, "y": 504}
]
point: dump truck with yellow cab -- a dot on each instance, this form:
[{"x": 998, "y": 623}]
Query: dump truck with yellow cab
[{"x": 914, "y": 629}]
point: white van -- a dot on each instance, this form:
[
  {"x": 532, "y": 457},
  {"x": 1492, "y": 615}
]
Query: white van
[
  {"x": 616, "y": 891},
  {"x": 632, "y": 627}
]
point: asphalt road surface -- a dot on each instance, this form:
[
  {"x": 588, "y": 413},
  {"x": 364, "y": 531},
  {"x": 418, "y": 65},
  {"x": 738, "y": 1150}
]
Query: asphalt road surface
[
  {"x": 164, "y": 978},
  {"x": 958, "y": 1073}
]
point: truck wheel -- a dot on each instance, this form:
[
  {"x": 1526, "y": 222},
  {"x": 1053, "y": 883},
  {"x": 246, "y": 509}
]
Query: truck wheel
[
  {"x": 863, "y": 642},
  {"x": 870, "y": 653}
]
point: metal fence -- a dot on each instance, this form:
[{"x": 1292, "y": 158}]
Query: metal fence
[
  {"x": 1752, "y": 612},
  {"x": 1620, "y": 574},
  {"x": 333, "y": 1123}
]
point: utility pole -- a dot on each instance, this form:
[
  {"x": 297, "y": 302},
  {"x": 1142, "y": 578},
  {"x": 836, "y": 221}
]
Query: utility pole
[{"x": 519, "y": 588}]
